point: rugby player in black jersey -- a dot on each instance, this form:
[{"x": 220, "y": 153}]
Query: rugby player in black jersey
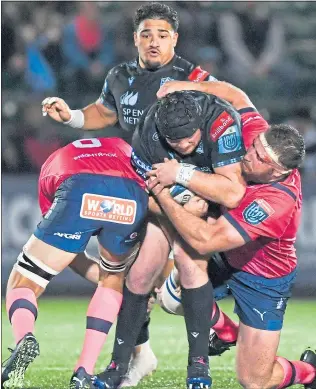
[
  {"x": 128, "y": 89},
  {"x": 204, "y": 131}
]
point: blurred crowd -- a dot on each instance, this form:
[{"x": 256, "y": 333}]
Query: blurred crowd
[{"x": 66, "y": 48}]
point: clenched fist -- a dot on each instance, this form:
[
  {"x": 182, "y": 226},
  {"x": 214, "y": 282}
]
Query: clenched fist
[{"x": 56, "y": 108}]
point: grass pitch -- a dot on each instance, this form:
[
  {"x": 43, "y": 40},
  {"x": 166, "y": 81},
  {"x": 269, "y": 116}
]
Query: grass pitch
[{"x": 60, "y": 331}]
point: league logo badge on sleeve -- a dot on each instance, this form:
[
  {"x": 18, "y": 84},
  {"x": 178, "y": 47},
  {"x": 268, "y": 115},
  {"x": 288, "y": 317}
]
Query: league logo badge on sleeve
[
  {"x": 230, "y": 141},
  {"x": 257, "y": 211},
  {"x": 165, "y": 79}
]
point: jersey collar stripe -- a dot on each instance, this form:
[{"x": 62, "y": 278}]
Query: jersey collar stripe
[
  {"x": 247, "y": 109},
  {"x": 285, "y": 189},
  {"x": 238, "y": 227}
]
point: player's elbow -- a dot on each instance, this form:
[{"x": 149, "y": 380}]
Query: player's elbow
[
  {"x": 234, "y": 197},
  {"x": 203, "y": 249},
  {"x": 202, "y": 245}
]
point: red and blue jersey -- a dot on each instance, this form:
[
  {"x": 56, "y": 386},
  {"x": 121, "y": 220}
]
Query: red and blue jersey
[
  {"x": 107, "y": 156},
  {"x": 268, "y": 216},
  {"x": 252, "y": 125}
]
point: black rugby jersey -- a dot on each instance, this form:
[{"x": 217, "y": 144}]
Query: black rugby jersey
[
  {"x": 129, "y": 89},
  {"x": 221, "y": 142}
]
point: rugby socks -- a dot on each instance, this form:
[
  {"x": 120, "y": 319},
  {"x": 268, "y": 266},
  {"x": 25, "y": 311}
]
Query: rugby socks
[
  {"x": 226, "y": 329},
  {"x": 102, "y": 312},
  {"x": 21, "y": 305},
  {"x": 143, "y": 336},
  {"x": 197, "y": 306},
  {"x": 296, "y": 372},
  {"x": 130, "y": 320}
]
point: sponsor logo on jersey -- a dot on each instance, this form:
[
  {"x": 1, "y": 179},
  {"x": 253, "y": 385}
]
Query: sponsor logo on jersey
[
  {"x": 177, "y": 68},
  {"x": 75, "y": 236},
  {"x": 256, "y": 212},
  {"x": 155, "y": 136},
  {"x": 129, "y": 98},
  {"x": 164, "y": 80},
  {"x": 52, "y": 207},
  {"x": 230, "y": 141},
  {"x": 131, "y": 80},
  {"x": 89, "y": 155},
  {"x": 140, "y": 163},
  {"x": 220, "y": 125},
  {"x": 251, "y": 118},
  {"x": 198, "y": 74},
  {"x": 106, "y": 208},
  {"x": 200, "y": 148}
]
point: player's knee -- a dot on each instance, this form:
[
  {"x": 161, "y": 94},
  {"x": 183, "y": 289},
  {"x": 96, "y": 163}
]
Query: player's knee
[
  {"x": 139, "y": 282},
  {"x": 169, "y": 297},
  {"x": 31, "y": 272}
]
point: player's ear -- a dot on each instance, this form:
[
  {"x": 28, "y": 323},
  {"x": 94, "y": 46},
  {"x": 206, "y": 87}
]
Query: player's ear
[
  {"x": 175, "y": 39},
  {"x": 135, "y": 39},
  {"x": 277, "y": 173}
]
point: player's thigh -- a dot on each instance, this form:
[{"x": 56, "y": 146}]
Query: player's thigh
[
  {"x": 260, "y": 302},
  {"x": 64, "y": 226},
  {"x": 256, "y": 352},
  {"x": 152, "y": 256},
  {"x": 87, "y": 266},
  {"x": 187, "y": 259},
  {"x": 37, "y": 264},
  {"x": 123, "y": 213},
  {"x": 53, "y": 257}
]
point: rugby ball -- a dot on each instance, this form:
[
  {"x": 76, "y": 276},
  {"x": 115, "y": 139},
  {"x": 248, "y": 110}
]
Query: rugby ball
[{"x": 181, "y": 194}]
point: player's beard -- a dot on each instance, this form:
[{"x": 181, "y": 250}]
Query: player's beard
[
  {"x": 152, "y": 65},
  {"x": 255, "y": 178}
]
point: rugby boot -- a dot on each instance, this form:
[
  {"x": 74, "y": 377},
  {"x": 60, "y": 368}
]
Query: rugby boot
[
  {"x": 198, "y": 373},
  {"x": 112, "y": 376},
  {"x": 216, "y": 346},
  {"x": 141, "y": 365},
  {"x": 13, "y": 369},
  {"x": 309, "y": 356},
  {"x": 81, "y": 380}
]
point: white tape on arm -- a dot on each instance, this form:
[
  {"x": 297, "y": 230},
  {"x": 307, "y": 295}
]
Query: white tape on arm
[
  {"x": 185, "y": 173},
  {"x": 76, "y": 119}
]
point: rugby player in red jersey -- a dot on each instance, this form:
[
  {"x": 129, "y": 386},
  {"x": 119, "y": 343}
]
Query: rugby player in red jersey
[
  {"x": 87, "y": 188},
  {"x": 258, "y": 239}
]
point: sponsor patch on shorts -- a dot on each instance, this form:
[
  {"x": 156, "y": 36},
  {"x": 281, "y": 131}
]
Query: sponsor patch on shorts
[
  {"x": 220, "y": 125},
  {"x": 257, "y": 211},
  {"x": 110, "y": 209}
]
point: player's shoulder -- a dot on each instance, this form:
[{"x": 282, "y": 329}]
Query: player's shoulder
[
  {"x": 285, "y": 192},
  {"x": 193, "y": 71},
  {"x": 220, "y": 116},
  {"x": 146, "y": 125},
  {"x": 124, "y": 68},
  {"x": 182, "y": 65}
]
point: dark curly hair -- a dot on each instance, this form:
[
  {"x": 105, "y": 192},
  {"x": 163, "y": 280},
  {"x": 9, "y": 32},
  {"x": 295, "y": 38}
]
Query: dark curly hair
[
  {"x": 287, "y": 143},
  {"x": 156, "y": 11}
]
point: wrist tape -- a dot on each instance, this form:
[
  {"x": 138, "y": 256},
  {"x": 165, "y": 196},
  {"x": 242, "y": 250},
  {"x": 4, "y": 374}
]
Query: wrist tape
[
  {"x": 184, "y": 174},
  {"x": 76, "y": 119}
]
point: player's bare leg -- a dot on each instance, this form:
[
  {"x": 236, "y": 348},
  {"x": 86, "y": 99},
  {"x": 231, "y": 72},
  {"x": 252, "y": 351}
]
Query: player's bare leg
[
  {"x": 37, "y": 264},
  {"x": 102, "y": 312},
  {"x": 87, "y": 266},
  {"x": 139, "y": 283},
  {"x": 143, "y": 361},
  {"x": 258, "y": 367}
]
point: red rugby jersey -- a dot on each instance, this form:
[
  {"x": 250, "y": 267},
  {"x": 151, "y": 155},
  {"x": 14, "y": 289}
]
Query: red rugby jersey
[
  {"x": 108, "y": 156},
  {"x": 268, "y": 218}
]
